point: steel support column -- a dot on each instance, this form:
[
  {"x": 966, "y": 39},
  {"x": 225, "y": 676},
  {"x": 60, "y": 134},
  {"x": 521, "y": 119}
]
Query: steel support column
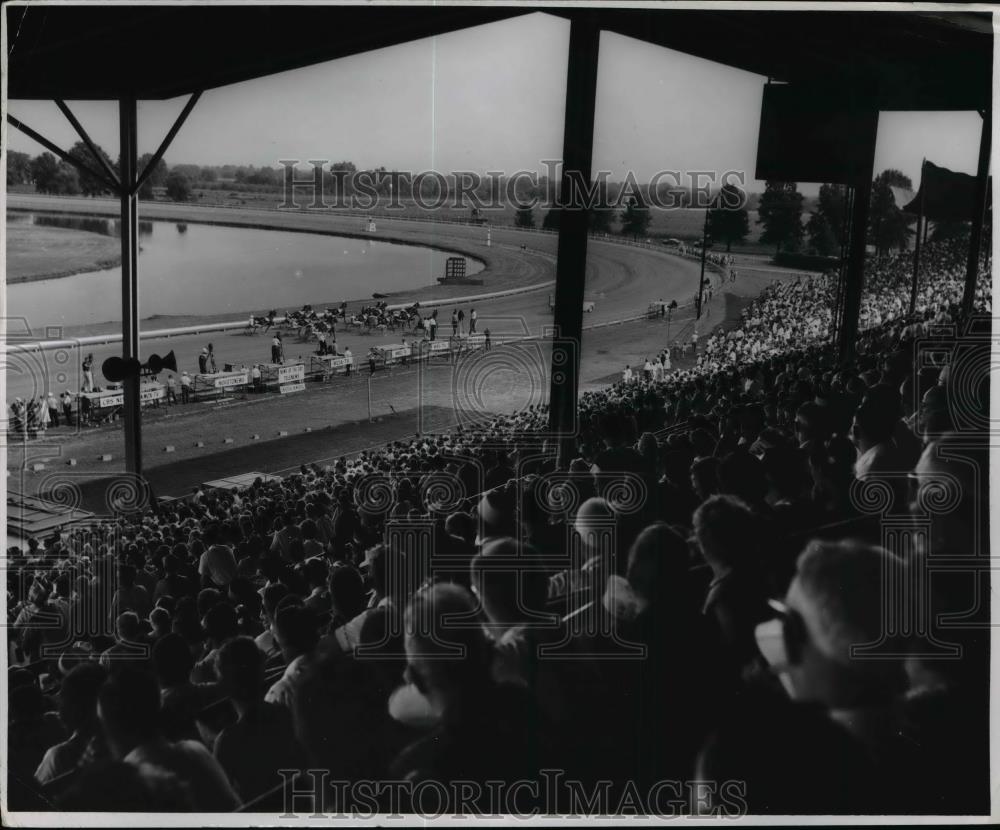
[
  {"x": 129, "y": 158},
  {"x": 921, "y": 233},
  {"x": 979, "y": 214},
  {"x": 571, "y": 266},
  {"x": 701, "y": 279},
  {"x": 855, "y": 278}
]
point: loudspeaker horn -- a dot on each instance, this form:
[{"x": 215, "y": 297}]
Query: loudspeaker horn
[{"x": 157, "y": 364}]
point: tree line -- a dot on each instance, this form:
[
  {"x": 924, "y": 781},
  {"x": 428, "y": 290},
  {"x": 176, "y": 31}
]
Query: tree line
[
  {"x": 825, "y": 232},
  {"x": 779, "y": 209},
  {"x": 49, "y": 174}
]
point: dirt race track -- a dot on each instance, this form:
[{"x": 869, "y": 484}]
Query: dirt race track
[{"x": 621, "y": 280}]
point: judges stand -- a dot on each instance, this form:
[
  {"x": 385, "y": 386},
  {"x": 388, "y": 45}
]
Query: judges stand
[
  {"x": 326, "y": 366},
  {"x": 393, "y": 353},
  {"x": 434, "y": 349},
  {"x": 105, "y": 405},
  {"x": 283, "y": 378},
  {"x": 216, "y": 385}
]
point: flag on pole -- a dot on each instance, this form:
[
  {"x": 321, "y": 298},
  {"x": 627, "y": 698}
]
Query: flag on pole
[{"x": 944, "y": 195}]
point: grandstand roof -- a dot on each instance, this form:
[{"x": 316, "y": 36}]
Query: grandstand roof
[{"x": 896, "y": 60}]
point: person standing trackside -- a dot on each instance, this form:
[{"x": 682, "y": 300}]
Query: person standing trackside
[
  {"x": 255, "y": 376},
  {"x": 211, "y": 359},
  {"x": 432, "y": 323},
  {"x": 67, "y": 407},
  {"x": 88, "y": 373},
  {"x": 276, "y": 348},
  {"x": 53, "y": 405},
  {"x": 171, "y": 390},
  {"x": 454, "y": 322},
  {"x": 472, "y": 321},
  {"x": 486, "y": 334},
  {"x": 203, "y": 362},
  {"x": 461, "y": 321},
  {"x": 185, "y": 387}
]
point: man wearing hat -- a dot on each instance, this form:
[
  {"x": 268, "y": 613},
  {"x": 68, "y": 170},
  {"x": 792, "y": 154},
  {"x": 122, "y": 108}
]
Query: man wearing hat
[{"x": 203, "y": 362}]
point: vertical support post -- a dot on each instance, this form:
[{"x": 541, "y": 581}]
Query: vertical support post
[
  {"x": 916, "y": 253},
  {"x": 128, "y": 141},
  {"x": 855, "y": 277},
  {"x": 571, "y": 264},
  {"x": 845, "y": 232},
  {"x": 978, "y": 214},
  {"x": 701, "y": 279}
]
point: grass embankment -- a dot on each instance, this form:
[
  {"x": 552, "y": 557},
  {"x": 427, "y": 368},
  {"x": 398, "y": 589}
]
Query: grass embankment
[{"x": 39, "y": 253}]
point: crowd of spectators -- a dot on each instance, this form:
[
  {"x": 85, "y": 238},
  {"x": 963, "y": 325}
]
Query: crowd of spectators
[
  {"x": 795, "y": 314},
  {"x": 705, "y": 594}
]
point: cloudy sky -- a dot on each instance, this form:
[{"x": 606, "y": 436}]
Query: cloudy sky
[{"x": 491, "y": 98}]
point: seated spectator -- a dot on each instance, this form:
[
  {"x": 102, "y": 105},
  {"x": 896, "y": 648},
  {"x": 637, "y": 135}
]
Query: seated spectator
[
  {"x": 32, "y": 729},
  {"x": 173, "y": 583},
  {"x": 495, "y": 517},
  {"x": 729, "y": 537},
  {"x": 311, "y": 545},
  {"x": 129, "y": 708},
  {"x": 811, "y": 423},
  {"x": 217, "y": 566},
  {"x": 221, "y": 626},
  {"x": 296, "y": 634},
  {"x": 347, "y": 605},
  {"x": 742, "y": 475},
  {"x": 129, "y": 596},
  {"x": 206, "y": 600},
  {"x": 598, "y": 533},
  {"x": 129, "y": 647},
  {"x": 451, "y": 667},
  {"x": 272, "y": 595},
  {"x": 512, "y": 592},
  {"x": 831, "y": 466},
  {"x": 705, "y": 476},
  {"x": 160, "y": 623},
  {"x": 285, "y": 531},
  {"x": 78, "y": 712},
  {"x": 180, "y": 699},
  {"x": 878, "y": 454},
  {"x": 829, "y": 645},
  {"x": 317, "y": 572},
  {"x": 262, "y": 741}
]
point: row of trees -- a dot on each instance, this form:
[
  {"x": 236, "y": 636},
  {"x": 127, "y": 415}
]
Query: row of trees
[
  {"x": 889, "y": 228},
  {"x": 633, "y": 219},
  {"x": 779, "y": 208},
  {"x": 52, "y": 175}
]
